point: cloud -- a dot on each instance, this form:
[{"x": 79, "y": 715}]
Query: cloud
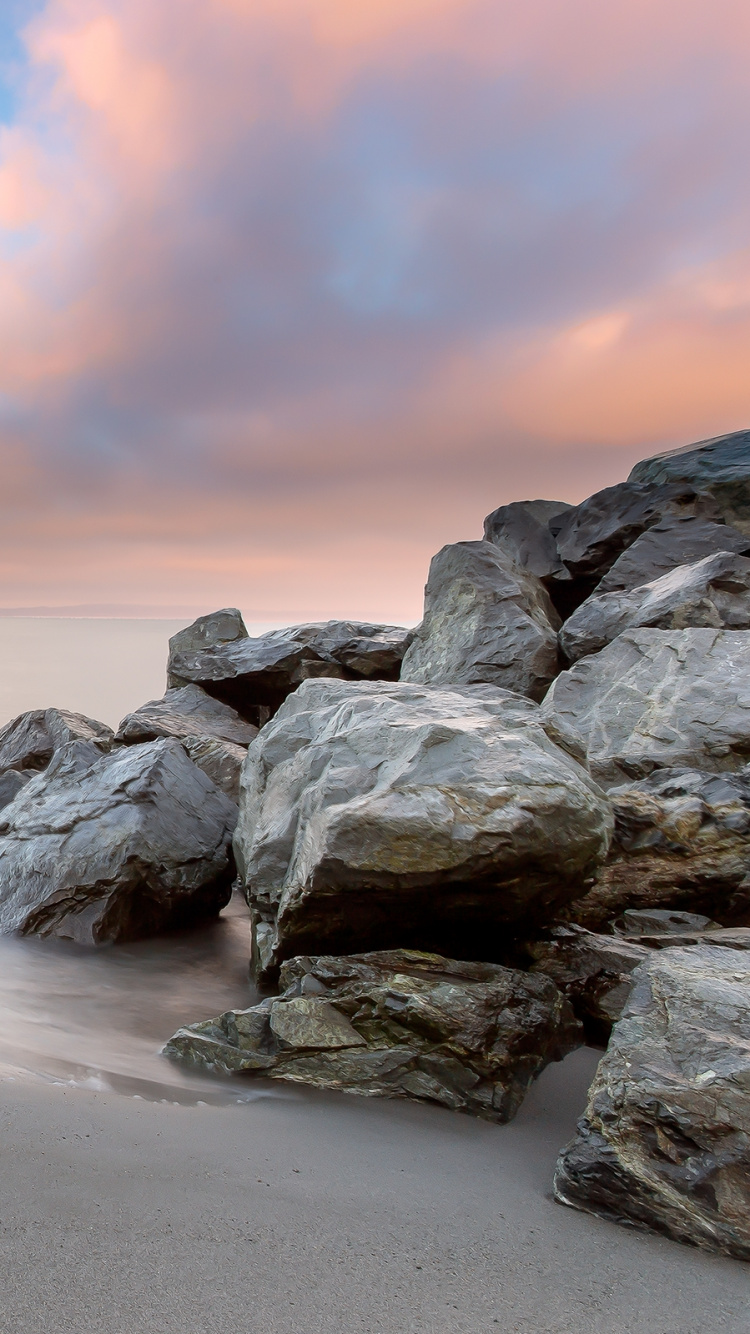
[{"x": 293, "y": 291}]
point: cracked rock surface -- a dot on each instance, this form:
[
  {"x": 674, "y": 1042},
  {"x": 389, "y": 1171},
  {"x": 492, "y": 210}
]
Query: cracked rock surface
[
  {"x": 397, "y": 1023},
  {"x": 664, "y": 1144},
  {"x": 105, "y": 848}
]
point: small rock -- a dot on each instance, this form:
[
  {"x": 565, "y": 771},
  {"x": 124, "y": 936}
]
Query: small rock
[{"x": 399, "y": 1023}]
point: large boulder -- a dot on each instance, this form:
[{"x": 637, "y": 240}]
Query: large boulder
[
  {"x": 597, "y": 531},
  {"x": 720, "y": 465},
  {"x": 681, "y": 841},
  {"x": 105, "y": 848},
  {"x": 485, "y": 621},
  {"x": 471, "y": 1036},
  {"x": 186, "y": 711},
  {"x": 375, "y": 814},
  {"x": 714, "y": 592},
  {"x": 526, "y": 531},
  {"x": 657, "y": 699},
  {"x": 672, "y": 542},
  {"x": 30, "y": 741},
  {"x": 210, "y": 631},
  {"x": 664, "y": 1145},
  {"x": 255, "y": 676}
]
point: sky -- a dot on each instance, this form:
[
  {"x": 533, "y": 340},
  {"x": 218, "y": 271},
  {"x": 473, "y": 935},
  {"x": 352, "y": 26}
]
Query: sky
[{"x": 293, "y": 292}]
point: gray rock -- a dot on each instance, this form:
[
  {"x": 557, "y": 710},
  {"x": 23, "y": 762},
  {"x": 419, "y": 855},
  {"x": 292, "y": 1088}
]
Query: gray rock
[
  {"x": 664, "y": 1145},
  {"x": 720, "y": 465},
  {"x": 186, "y": 711},
  {"x": 471, "y": 1036},
  {"x": 593, "y": 971},
  {"x": 673, "y": 542},
  {"x": 255, "y": 676},
  {"x": 211, "y": 631},
  {"x": 373, "y": 814},
  {"x": 637, "y": 922},
  {"x": 221, "y": 760},
  {"x": 597, "y": 531},
  {"x": 659, "y": 699},
  {"x": 30, "y": 741},
  {"x": 11, "y": 783},
  {"x": 681, "y": 842},
  {"x": 486, "y": 620},
  {"x": 106, "y": 848},
  {"x": 713, "y": 592},
  {"x": 526, "y": 531}
]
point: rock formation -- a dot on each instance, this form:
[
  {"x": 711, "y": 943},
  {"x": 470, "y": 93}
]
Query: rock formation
[
  {"x": 712, "y": 592},
  {"x": 101, "y": 848},
  {"x": 720, "y": 465},
  {"x": 659, "y": 699},
  {"x": 664, "y": 1144},
  {"x": 485, "y": 620},
  {"x": 30, "y": 741},
  {"x": 470, "y": 1036},
  {"x": 681, "y": 841},
  {"x": 378, "y": 815}
]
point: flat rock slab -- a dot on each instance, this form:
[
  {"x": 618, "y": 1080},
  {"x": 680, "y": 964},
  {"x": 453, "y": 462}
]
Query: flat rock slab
[
  {"x": 713, "y": 592},
  {"x": 186, "y": 711},
  {"x": 399, "y": 1023},
  {"x": 681, "y": 842},
  {"x": 659, "y": 699},
  {"x": 485, "y": 620},
  {"x": 720, "y": 465},
  {"x": 258, "y": 674},
  {"x": 128, "y": 845},
  {"x": 664, "y": 1144},
  {"x": 30, "y": 741},
  {"x": 375, "y": 813}
]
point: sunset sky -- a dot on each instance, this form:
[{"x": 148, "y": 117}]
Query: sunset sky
[{"x": 292, "y": 292}]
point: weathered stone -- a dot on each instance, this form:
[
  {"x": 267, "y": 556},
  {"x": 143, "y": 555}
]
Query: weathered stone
[
  {"x": 659, "y": 699},
  {"x": 526, "y": 531},
  {"x": 105, "y": 848},
  {"x": 720, "y": 465},
  {"x": 186, "y": 711},
  {"x": 593, "y": 971},
  {"x": 211, "y": 631},
  {"x": 374, "y": 813},
  {"x": 221, "y": 760},
  {"x": 673, "y": 542},
  {"x": 255, "y": 676},
  {"x": 11, "y": 783},
  {"x": 682, "y": 842},
  {"x": 597, "y": 531},
  {"x": 712, "y": 592},
  {"x": 668, "y": 922},
  {"x": 664, "y": 1145},
  {"x": 471, "y": 1036},
  {"x": 485, "y": 620},
  {"x": 30, "y": 741}
]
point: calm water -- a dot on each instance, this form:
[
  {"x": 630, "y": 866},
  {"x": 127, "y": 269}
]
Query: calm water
[{"x": 92, "y": 1017}]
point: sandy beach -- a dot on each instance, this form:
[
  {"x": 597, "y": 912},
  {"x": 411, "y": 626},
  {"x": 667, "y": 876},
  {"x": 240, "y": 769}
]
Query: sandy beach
[{"x": 310, "y": 1213}]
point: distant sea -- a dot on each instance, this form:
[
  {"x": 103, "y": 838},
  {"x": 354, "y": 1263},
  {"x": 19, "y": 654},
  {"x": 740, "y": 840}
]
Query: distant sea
[{"x": 99, "y": 666}]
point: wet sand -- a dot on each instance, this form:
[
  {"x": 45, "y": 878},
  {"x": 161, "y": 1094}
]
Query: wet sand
[{"x": 311, "y": 1213}]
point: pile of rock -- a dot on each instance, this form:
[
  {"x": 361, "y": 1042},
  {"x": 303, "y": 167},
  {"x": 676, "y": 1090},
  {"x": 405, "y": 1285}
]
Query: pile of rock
[{"x": 462, "y": 845}]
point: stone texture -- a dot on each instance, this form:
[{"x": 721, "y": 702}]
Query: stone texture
[
  {"x": 11, "y": 783},
  {"x": 664, "y": 1145},
  {"x": 597, "y": 531},
  {"x": 186, "y": 711},
  {"x": 485, "y": 620},
  {"x": 211, "y": 631},
  {"x": 376, "y": 814},
  {"x": 526, "y": 531},
  {"x": 673, "y": 542},
  {"x": 471, "y": 1036},
  {"x": 106, "y": 848},
  {"x": 255, "y": 676},
  {"x": 221, "y": 760},
  {"x": 681, "y": 841},
  {"x": 720, "y": 465},
  {"x": 593, "y": 971},
  {"x": 30, "y": 741},
  {"x": 659, "y": 699},
  {"x": 712, "y": 592},
  {"x": 642, "y": 922}
]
